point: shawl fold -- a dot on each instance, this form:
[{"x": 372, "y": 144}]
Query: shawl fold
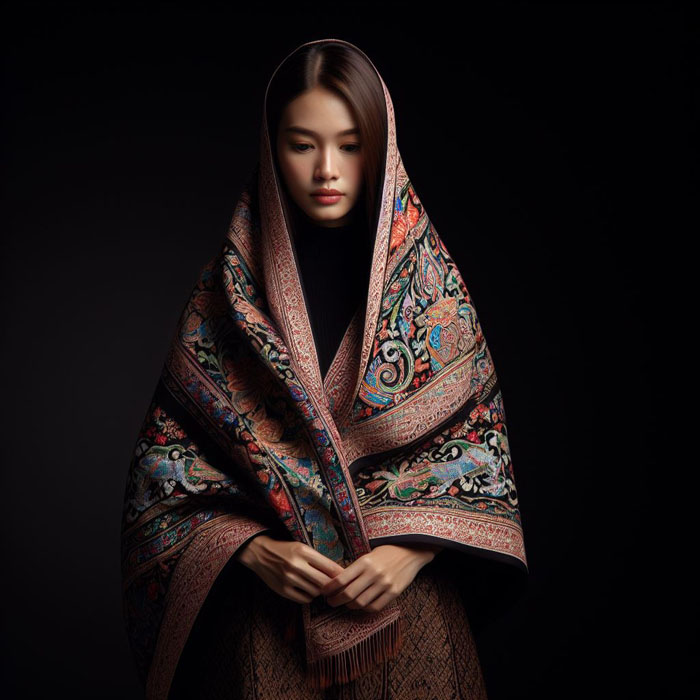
[{"x": 403, "y": 440}]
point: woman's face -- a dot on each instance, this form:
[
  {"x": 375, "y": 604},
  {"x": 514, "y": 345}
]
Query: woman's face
[{"x": 318, "y": 148}]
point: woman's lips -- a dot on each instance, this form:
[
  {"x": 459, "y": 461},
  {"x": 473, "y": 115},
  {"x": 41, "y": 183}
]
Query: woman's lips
[{"x": 327, "y": 198}]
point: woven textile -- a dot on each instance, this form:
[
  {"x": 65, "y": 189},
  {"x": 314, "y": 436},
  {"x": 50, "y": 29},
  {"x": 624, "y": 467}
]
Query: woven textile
[
  {"x": 403, "y": 440},
  {"x": 239, "y": 652}
]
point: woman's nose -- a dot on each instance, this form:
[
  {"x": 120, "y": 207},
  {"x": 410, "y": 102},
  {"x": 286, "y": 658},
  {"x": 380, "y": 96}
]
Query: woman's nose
[{"x": 328, "y": 165}]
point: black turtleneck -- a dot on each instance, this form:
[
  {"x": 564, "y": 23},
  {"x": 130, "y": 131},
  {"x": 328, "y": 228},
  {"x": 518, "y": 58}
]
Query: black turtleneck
[{"x": 334, "y": 266}]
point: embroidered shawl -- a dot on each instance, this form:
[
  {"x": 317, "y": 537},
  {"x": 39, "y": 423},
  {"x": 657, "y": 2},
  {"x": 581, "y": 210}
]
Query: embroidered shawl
[{"x": 404, "y": 440}]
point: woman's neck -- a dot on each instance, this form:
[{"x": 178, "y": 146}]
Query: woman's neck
[{"x": 304, "y": 221}]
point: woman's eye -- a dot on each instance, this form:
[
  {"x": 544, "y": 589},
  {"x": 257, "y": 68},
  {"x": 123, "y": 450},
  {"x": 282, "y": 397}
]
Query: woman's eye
[{"x": 304, "y": 147}]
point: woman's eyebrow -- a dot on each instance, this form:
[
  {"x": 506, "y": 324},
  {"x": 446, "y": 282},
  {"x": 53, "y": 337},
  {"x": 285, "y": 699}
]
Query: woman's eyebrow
[{"x": 302, "y": 130}]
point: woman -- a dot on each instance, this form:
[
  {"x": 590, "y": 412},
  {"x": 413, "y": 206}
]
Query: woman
[{"x": 332, "y": 353}]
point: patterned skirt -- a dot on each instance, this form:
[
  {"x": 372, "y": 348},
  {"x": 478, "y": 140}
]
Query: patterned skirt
[{"x": 237, "y": 646}]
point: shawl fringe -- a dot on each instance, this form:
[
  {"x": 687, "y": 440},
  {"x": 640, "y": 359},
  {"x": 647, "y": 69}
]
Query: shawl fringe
[{"x": 356, "y": 660}]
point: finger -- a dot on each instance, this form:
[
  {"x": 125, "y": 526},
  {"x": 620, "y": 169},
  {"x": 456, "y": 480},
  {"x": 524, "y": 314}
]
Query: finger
[
  {"x": 349, "y": 574},
  {"x": 322, "y": 563},
  {"x": 314, "y": 567},
  {"x": 317, "y": 578},
  {"x": 368, "y": 596},
  {"x": 350, "y": 592},
  {"x": 298, "y": 580},
  {"x": 296, "y": 594},
  {"x": 381, "y": 602},
  {"x": 286, "y": 589}
]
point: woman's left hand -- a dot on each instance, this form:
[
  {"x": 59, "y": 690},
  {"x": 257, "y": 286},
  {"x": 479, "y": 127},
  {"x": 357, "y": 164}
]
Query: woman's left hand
[{"x": 376, "y": 578}]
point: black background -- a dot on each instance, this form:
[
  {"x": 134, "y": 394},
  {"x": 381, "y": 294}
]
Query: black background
[{"x": 551, "y": 146}]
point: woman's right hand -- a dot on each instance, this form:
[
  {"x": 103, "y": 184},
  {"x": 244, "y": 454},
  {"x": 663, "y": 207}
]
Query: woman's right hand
[{"x": 290, "y": 568}]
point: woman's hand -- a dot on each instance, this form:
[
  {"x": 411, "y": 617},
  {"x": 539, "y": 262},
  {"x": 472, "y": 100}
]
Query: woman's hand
[
  {"x": 290, "y": 568},
  {"x": 376, "y": 578}
]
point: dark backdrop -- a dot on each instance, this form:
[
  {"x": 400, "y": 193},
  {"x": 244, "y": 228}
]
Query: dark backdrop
[{"x": 551, "y": 148}]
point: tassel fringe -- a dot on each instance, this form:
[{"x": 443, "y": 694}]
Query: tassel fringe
[{"x": 357, "y": 660}]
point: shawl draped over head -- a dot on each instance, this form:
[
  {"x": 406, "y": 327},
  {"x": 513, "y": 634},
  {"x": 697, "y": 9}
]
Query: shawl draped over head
[{"x": 404, "y": 440}]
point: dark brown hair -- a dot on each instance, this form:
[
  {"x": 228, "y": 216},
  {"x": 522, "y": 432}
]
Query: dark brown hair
[{"x": 347, "y": 72}]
